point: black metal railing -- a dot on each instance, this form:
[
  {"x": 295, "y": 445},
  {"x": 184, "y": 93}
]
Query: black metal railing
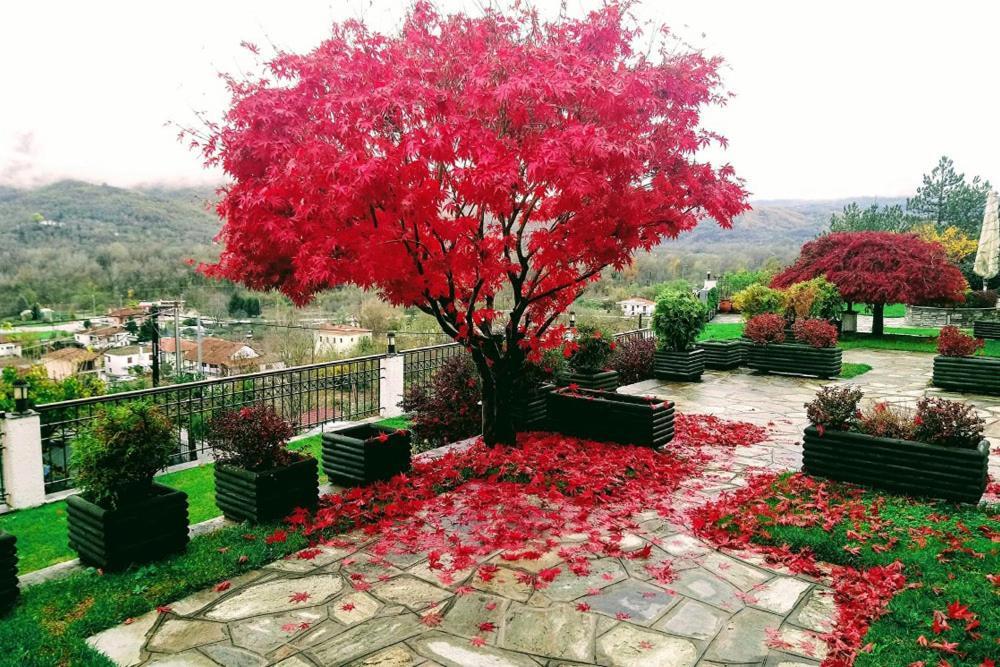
[
  {"x": 635, "y": 334},
  {"x": 420, "y": 364},
  {"x": 306, "y": 396}
]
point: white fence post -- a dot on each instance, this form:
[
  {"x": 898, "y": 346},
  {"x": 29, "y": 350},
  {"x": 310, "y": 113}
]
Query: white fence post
[
  {"x": 23, "y": 475},
  {"x": 391, "y": 387}
]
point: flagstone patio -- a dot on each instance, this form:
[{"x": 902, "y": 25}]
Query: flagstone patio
[{"x": 720, "y": 609}]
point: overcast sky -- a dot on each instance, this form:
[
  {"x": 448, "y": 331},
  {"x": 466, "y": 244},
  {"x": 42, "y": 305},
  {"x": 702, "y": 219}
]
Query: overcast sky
[{"x": 833, "y": 99}]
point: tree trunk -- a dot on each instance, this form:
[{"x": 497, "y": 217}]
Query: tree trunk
[
  {"x": 878, "y": 319},
  {"x": 498, "y": 399}
]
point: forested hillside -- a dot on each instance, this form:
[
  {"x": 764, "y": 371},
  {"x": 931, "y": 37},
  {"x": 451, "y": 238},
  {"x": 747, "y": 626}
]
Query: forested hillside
[{"x": 71, "y": 245}]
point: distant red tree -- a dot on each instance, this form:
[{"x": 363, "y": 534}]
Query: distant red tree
[
  {"x": 482, "y": 169},
  {"x": 878, "y": 268}
]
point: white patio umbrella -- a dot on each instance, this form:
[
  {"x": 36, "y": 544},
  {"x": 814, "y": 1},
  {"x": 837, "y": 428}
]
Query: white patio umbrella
[{"x": 988, "y": 254}]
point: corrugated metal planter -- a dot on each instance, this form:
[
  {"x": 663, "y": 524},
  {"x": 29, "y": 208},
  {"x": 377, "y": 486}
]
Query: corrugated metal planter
[
  {"x": 266, "y": 495},
  {"x": 603, "y": 415},
  {"x": 139, "y": 532},
  {"x": 600, "y": 380},
  {"x": 899, "y": 466},
  {"x": 686, "y": 366},
  {"x": 8, "y": 572},
  {"x": 364, "y": 454},
  {"x": 980, "y": 375},
  {"x": 795, "y": 359},
  {"x": 724, "y": 355}
]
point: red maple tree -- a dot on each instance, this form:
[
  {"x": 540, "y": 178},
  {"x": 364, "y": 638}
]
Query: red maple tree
[
  {"x": 878, "y": 268},
  {"x": 482, "y": 169}
]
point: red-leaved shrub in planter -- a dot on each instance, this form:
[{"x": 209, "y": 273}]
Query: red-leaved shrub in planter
[
  {"x": 948, "y": 423},
  {"x": 254, "y": 438},
  {"x": 954, "y": 343},
  {"x": 815, "y": 332},
  {"x": 766, "y": 328},
  {"x": 633, "y": 359}
]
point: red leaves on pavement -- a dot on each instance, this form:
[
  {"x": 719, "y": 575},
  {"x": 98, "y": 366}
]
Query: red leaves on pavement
[
  {"x": 222, "y": 586},
  {"x": 299, "y": 597}
]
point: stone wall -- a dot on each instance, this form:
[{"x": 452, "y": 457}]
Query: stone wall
[{"x": 930, "y": 316}]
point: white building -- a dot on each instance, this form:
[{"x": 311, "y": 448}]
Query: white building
[
  {"x": 102, "y": 338},
  {"x": 636, "y": 306},
  {"x": 9, "y": 348},
  {"x": 119, "y": 362},
  {"x": 338, "y": 338}
]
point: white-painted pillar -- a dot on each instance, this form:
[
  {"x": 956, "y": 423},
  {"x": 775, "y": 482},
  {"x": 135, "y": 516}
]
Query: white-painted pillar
[
  {"x": 23, "y": 475},
  {"x": 391, "y": 388}
]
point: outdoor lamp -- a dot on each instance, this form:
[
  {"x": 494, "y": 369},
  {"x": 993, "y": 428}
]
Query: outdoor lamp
[
  {"x": 249, "y": 335},
  {"x": 20, "y": 396},
  {"x": 391, "y": 342},
  {"x": 572, "y": 319}
]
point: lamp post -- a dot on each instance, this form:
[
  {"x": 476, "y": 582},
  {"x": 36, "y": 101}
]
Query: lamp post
[
  {"x": 572, "y": 319},
  {"x": 390, "y": 346},
  {"x": 20, "y": 396}
]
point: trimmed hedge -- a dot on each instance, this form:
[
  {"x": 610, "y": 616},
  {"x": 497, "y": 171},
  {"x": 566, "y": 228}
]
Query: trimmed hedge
[
  {"x": 900, "y": 466},
  {"x": 603, "y": 415},
  {"x": 980, "y": 375},
  {"x": 687, "y": 366},
  {"x": 795, "y": 359}
]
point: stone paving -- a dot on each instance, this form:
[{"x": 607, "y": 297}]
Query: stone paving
[{"x": 721, "y": 608}]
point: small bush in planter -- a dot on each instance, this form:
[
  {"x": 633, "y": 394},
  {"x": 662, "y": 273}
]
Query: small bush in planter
[
  {"x": 954, "y": 343},
  {"x": 677, "y": 320},
  {"x": 633, "y": 359},
  {"x": 121, "y": 516},
  {"x": 815, "y": 333},
  {"x": 588, "y": 355},
  {"x": 817, "y": 298},
  {"x": 765, "y": 329},
  {"x": 758, "y": 299},
  {"x": 257, "y": 478},
  {"x": 448, "y": 408},
  {"x": 935, "y": 450}
]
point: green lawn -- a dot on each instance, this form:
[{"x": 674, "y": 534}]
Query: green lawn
[
  {"x": 891, "y": 310},
  {"x": 946, "y": 550},
  {"x": 848, "y": 371},
  {"x": 721, "y": 331},
  {"x": 41, "y": 531}
]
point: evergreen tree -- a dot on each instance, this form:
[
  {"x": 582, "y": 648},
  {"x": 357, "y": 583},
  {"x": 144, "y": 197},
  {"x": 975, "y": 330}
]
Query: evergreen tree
[
  {"x": 871, "y": 219},
  {"x": 947, "y": 199}
]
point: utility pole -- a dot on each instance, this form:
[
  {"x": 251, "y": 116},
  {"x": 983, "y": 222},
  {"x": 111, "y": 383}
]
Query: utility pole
[
  {"x": 154, "y": 315},
  {"x": 198, "y": 321}
]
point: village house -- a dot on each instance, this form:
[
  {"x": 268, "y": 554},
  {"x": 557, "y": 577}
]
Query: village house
[
  {"x": 224, "y": 358},
  {"x": 102, "y": 338},
  {"x": 120, "y": 362},
  {"x": 9, "y": 348},
  {"x": 168, "y": 349},
  {"x": 636, "y": 306},
  {"x": 338, "y": 338},
  {"x": 122, "y": 315},
  {"x": 69, "y": 361}
]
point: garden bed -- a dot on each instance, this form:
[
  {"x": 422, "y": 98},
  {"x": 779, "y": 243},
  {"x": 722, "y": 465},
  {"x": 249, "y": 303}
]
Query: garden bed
[
  {"x": 899, "y": 466},
  {"x": 602, "y": 415},
  {"x": 8, "y": 571},
  {"x": 142, "y": 531},
  {"x": 599, "y": 380},
  {"x": 245, "y": 495},
  {"x": 530, "y": 408},
  {"x": 986, "y": 329},
  {"x": 686, "y": 366},
  {"x": 980, "y": 375},
  {"x": 364, "y": 454},
  {"x": 724, "y": 354},
  {"x": 795, "y": 359}
]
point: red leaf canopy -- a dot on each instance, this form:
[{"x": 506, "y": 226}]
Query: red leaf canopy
[
  {"x": 464, "y": 159},
  {"x": 878, "y": 267}
]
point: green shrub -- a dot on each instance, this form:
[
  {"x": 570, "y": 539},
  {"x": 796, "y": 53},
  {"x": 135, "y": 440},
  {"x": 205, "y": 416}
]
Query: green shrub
[
  {"x": 713, "y": 300},
  {"x": 590, "y": 350},
  {"x": 814, "y": 299},
  {"x": 117, "y": 456},
  {"x": 758, "y": 300},
  {"x": 677, "y": 320},
  {"x": 737, "y": 281}
]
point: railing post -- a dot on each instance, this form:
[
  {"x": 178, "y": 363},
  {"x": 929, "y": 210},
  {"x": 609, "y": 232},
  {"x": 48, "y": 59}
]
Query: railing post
[
  {"x": 23, "y": 474},
  {"x": 391, "y": 385}
]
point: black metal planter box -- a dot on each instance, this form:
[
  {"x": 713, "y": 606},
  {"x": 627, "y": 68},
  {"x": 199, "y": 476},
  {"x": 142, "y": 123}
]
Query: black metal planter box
[
  {"x": 8, "y": 572},
  {"x": 724, "y": 355},
  {"x": 899, "y": 466},
  {"x": 600, "y": 380},
  {"x": 686, "y": 366},
  {"x": 980, "y": 375},
  {"x": 603, "y": 415},
  {"x": 796, "y": 359},
  {"x": 986, "y": 329},
  {"x": 530, "y": 408},
  {"x": 267, "y": 495},
  {"x": 142, "y": 531},
  {"x": 365, "y": 453}
]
